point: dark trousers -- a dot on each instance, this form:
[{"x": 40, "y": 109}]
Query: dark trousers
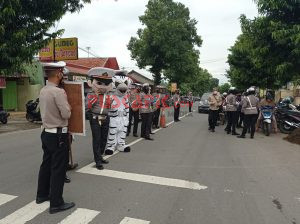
[
  {"x": 146, "y": 124},
  {"x": 176, "y": 112},
  {"x": 190, "y": 106},
  {"x": 135, "y": 116},
  {"x": 99, "y": 134},
  {"x": 151, "y": 122},
  {"x": 53, "y": 168},
  {"x": 156, "y": 117},
  {"x": 232, "y": 121},
  {"x": 241, "y": 119},
  {"x": 249, "y": 123},
  {"x": 212, "y": 118}
]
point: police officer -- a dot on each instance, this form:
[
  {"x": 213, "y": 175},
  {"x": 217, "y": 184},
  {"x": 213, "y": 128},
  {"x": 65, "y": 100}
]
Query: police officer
[
  {"x": 215, "y": 102},
  {"x": 98, "y": 102},
  {"x": 157, "y": 105},
  {"x": 191, "y": 101},
  {"x": 55, "y": 112},
  {"x": 250, "y": 108},
  {"x": 176, "y": 100},
  {"x": 232, "y": 114},
  {"x": 146, "y": 112},
  {"x": 133, "y": 110}
]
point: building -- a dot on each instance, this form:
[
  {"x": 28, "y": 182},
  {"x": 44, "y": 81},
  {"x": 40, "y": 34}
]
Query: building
[
  {"x": 79, "y": 68},
  {"x": 139, "y": 78},
  {"x": 18, "y": 88}
]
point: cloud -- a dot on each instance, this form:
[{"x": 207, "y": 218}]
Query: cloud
[{"x": 107, "y": 25}]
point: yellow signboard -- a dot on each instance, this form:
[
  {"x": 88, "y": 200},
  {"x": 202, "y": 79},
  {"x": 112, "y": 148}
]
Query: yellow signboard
[
  {"x": 173, "y": 87},
  {"x": 65, "y": 49}
]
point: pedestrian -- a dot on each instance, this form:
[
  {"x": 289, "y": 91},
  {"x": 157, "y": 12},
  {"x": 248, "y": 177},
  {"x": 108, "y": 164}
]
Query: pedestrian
[
  {"x": 98, "y": 103},
  {"x": 231, "y": 109},
  {"x": 239, "y": 110},
  {"x": 250, "y": 108},
  {"x": 133, "y": 110},
  {"x": 55, "y": 112},
  {"x": 191, "y": 101},
  {"x": 176, "y": 100},
  {"x": 157, "y": 106},
  {"x": 152, "y": 108},
  {"x": 146, "y": 112},
  {"x": 215, "y": 101}
]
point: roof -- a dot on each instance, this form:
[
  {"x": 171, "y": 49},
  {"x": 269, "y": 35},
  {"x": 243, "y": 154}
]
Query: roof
[
  {"x": 139, "y": 78},
  {"x": 88, "y": 62},
  {"x": 83, "y": 65}
]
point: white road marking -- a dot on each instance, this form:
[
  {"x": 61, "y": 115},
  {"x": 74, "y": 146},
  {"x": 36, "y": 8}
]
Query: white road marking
[
  {"x": 143, "y": 178},
  {"x": 80, "y": 216},
  {"x": 27, "y": 213},
  {"x": 128, "y": 220},
  {"x": 4, "y": 198},
  {"x": 138, "y": 140},
  {"x": 134, "y": 142}
]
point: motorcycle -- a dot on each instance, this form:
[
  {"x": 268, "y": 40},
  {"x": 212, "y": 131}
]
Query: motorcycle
[
  {"x": 267, "y": 114},
  {"x": 288, "y": 118},
  {"x": 3, "y": 116},
  {"x": 31, "y": 111}
]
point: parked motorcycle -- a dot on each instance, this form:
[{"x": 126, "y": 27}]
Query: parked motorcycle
[
  {"x": 3, "y": 116},
  {"x": 267, "y": 114},
  {"x": 32, "y": 114},
  {"x": 288, "y": 117}
]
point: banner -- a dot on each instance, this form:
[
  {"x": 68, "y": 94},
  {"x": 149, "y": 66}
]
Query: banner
[
  {"x": 75, "y": 94},
  {"x": 65, "y": 49}
]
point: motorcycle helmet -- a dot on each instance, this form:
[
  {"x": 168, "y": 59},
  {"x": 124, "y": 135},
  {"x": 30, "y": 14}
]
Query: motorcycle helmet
[
  {"x": 251, "y": 91},
  {"x": 232, "y": 90},
  {"x": 288, "y": 100},
  {"x": 269, "y": 96}
]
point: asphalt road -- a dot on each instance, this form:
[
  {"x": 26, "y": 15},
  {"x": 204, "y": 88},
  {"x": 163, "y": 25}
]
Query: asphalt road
[{"x": 186, "y": 176}]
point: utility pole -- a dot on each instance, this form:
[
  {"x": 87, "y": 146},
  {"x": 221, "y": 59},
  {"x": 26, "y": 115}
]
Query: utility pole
[{"x": 88, "y": 49}]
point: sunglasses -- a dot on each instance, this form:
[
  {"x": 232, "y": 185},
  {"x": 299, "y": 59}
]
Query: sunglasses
[{"x": 104, "y": 82}]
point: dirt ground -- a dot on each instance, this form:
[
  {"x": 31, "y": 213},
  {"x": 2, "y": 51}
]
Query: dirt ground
[
  {"x": 294, "y": 137},
  {"x": 17, "y": 122}
]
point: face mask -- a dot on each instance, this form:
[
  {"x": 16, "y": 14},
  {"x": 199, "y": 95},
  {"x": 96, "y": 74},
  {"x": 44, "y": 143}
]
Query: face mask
[{"x": 61, "y": 81}]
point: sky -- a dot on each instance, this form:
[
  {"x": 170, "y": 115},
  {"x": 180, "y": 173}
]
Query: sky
[{"x": 106, "y": 26}]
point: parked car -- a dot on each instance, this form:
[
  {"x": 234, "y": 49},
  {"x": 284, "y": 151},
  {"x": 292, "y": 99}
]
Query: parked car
[{"x": 203, "y": 106}]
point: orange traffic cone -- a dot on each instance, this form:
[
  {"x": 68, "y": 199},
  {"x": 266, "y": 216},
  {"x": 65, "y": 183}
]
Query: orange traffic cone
[{"x": 162, "y": 118}]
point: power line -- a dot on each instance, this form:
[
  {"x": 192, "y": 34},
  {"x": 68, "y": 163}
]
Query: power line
[{"x": 212, "y": 61}]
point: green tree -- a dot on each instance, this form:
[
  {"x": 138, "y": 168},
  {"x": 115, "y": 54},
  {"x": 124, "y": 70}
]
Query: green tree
[
  {"x": 214, "y": 82},
  {"x": 224, "y": 88},
  {"x": 199, "y": 83},
  {"x": 271, "y": 45},
  {"x": 23, "y": 26},
  {"x": 243, "y": 72},
  {"x": 167, "y": 42}
]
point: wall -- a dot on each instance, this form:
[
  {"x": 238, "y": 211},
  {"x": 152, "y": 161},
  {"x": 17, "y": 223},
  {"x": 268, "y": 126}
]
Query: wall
[{"x": 27, "y": 92}]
